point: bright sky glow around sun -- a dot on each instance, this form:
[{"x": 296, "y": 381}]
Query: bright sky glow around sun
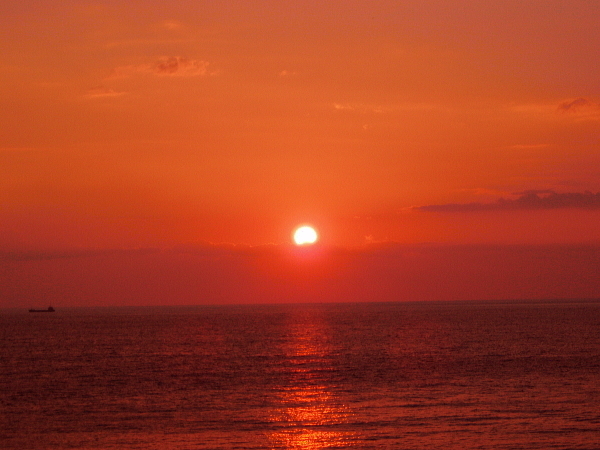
[{"x": 305, "y": 235}]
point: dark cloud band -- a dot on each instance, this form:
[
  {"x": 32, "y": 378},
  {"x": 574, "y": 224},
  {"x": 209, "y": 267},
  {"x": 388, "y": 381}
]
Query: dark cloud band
[{"x": 527, "y": 200}]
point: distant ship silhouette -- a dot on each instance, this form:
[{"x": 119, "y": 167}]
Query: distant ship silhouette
[{"x": 50, "y": 309}]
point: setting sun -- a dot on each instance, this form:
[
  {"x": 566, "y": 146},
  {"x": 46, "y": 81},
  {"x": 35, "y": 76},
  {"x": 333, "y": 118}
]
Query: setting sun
[{"x": 305, "y": 235}]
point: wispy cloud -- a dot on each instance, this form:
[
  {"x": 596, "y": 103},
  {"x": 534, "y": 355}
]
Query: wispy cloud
[
  {"x": 8, "y": 150},
  {"x": 144, "y": 42},
  {"x": 577, "y": 105},
  {"x": 576, "y": 108},
  {"x": 40, "y": 255},
  {"x": 526, "y": 200},
  {"x": 168, "y": 66},
  {"x": 365, "y": 108},
  {"x": 102, "y": 92},
  {"x": 178, "y": 66},
  {"x": 171, "y": 25},
  {"x": 360, "y": 108},
  {"x": 528, "y": 146}
]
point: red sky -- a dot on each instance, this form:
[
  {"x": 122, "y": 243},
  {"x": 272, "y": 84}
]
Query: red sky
[{"x": 467, "y": 130}]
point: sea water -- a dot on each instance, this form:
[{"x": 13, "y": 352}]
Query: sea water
[{"x": 472, "y": 375}]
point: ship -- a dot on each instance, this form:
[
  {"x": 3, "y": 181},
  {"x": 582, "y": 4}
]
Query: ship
[{"x": 50, "y": 309}]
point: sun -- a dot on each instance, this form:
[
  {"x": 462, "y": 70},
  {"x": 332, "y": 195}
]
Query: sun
[{"x": 305, "y": 235}]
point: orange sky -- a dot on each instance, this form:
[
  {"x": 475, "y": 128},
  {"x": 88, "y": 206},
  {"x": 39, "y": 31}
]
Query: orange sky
[{"x": 147, "y": 124}]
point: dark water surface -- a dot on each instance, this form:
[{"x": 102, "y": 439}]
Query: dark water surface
[{"x": 397, "y": 376}]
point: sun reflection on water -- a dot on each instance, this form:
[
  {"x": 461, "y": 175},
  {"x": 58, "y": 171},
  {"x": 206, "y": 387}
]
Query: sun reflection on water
[{"x": 311, "y": 415}]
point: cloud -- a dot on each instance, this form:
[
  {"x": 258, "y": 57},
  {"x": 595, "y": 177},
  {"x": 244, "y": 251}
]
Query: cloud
[
  {"x": 168, "y": 66},
  {"x": 579, "y": 108},
  {"x": 205, "y": 249},
  {"x": 376, "y": 272},
  {"x": 171, "y": 25},
  {"x": 41, "y": 255},
  {"x": 366, "y": 108},
  {"x": 102, "y": 92},
  {"x": 19, "y": 149},
  {"x": 577, "y": 105},
  {"x": 526, "y": 200},
  {"x": 361, "y": 108},
  {"x": 343, "y": 107},
  {"x": 287, "y": 73},
  {"x": 528, "y": 146},
  {"x": 178, "y": 66},
  {"x": 144, "y": 42}
]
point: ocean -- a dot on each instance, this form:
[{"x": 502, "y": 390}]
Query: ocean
[{"x": 455, "y": 375}]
